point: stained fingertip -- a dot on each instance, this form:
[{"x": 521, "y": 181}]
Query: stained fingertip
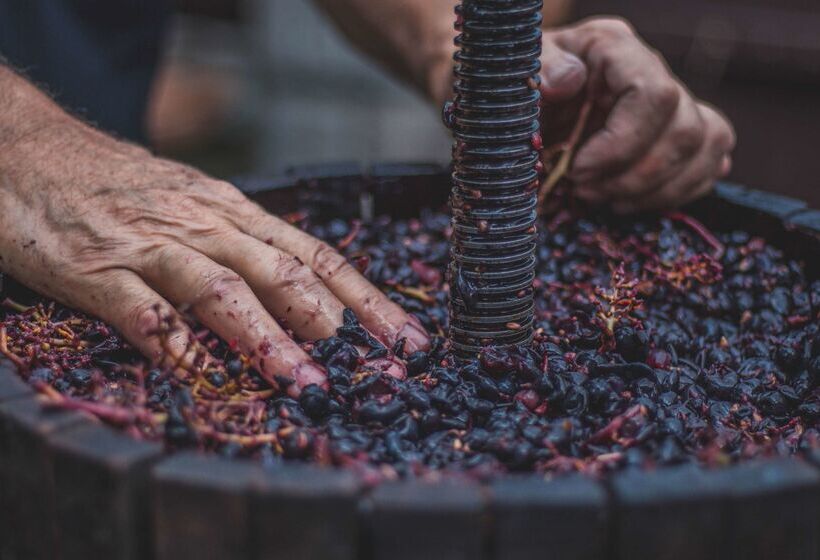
[
  {"x": 416, "y": 337},
  {"x": 304, "y": 375}
]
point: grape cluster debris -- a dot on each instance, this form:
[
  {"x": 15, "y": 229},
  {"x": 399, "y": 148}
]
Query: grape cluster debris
[{"x": 657, "y": 342}]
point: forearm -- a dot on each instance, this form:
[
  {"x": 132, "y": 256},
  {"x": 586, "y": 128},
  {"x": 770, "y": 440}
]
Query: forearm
[
  {"x": 25, "y": 109},
  {"x": 37, "y": 137},
  {"x": 412, "y": 38}
]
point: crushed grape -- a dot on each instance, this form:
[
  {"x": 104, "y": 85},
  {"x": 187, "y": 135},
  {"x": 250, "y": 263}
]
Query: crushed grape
[{"x": 657, "y": 342}]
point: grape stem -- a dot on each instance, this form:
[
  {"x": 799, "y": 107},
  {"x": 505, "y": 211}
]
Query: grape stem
[
  {"x": 567, "y": 150},
  {"x": 701, "y": 230},
  {"x": 4, "y": 349}
]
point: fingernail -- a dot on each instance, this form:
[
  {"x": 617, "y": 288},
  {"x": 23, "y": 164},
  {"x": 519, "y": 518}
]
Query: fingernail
[
  {"x": 307, "y": 374},
  {"x": 417, "y": 337},
  {"x": 563, "y": 72}
]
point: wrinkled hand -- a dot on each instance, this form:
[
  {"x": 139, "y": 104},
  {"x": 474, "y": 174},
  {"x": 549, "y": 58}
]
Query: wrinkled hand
[
  {"x": 650, "y": 144},
  {"x": 105, "y": 227}
]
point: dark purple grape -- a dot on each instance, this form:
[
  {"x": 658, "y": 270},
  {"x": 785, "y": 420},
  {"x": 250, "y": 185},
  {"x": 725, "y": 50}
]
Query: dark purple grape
[
  {"x": 314, "y": 401},
  {"x": 79, "y": 378},
  {"x": 631, "y": 343},
  {"x": 575, "y": 401},
  {"x": 217, "y": 379},
  {"x": 788, "y": 358},
  {"x": 772, "y": 402},
  {"x": 720, "y": 385},
  {"x": 373, "y": 411},
  {"x": 234, "y": 368},
  {"x": 417, "y": 363}
]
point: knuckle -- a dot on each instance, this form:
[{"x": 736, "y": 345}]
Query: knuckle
[
  {"x": 228, "y": 192},
  {"x": 646, "y": 175},
  {"x": 629, "y": 186},
  {"x": 619, "y": 156},
  {"x": 290, "y": 267},
  {"x": 163, "y": 257},
  {"x": 611, "y": 27},
  {"x": 221, "y": 186},
  {"x": 216, "y": 283},
  {"x": 327, "y": 262},
  {"x": 687, "y": 139},
  {"x": 293, "y": 272},
  {"x": 664, "y": 95},
  {"x": 144, "y": 317},
  {"x": 250, "y": 216},
  {"x": 183, "y": 203}
]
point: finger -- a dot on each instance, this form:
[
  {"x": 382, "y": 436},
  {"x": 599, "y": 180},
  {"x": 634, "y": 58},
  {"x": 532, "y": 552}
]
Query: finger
[
  {"x": 646, "y": 95},
  {"x": 563, "y": 75},
  {"x": 702, "y": 171},
  {"x": 700, "y": 190},
  {"x": 639, "y": 116},
  {"x": 670, "y": 154},
  {"x": 591, "y": 193},
  {"x": 145, "y": 319},
  {"x": 725, "y": 166},
  {"x": 719, "y": 127},
  {"x": 287, "y": 287},
  {"x": 223, "y": 302},
  {"x": 668, "y": 198},
  {"x": 382, "y": 317}
]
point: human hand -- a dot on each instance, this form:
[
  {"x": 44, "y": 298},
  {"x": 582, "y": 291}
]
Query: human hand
[
  {"x": 649, "y": 143},
  {"x": 107, "y": 228}
]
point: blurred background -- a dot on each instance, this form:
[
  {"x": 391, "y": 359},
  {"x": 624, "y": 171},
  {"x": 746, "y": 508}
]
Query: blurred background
[{"x": 254, "y": 86}]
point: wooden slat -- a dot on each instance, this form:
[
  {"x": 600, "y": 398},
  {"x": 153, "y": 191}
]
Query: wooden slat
[
  {"x": 674, "y": 513},
  {"x": 201, "y": 507},
  {"x": 305, "y": 513},
  {"x": 566, "y": 518},
  {"x": 101, "y": 485},
  {"x": 27, "y": 478},
  {"x": 773, "y": 511},
  {"x": 413, "y": 520}
]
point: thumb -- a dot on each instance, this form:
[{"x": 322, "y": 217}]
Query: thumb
[{"x": 563, "y": 75}]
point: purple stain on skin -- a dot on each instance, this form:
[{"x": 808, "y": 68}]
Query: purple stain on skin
[{"x": 307, "y": 374}]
